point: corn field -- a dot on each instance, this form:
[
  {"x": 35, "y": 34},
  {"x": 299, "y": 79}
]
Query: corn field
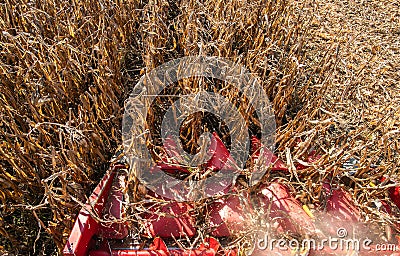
[{"x": 66, "y": 68}]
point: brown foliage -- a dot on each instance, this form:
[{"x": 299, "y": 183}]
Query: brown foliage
[{"x": 67, "y": 66}]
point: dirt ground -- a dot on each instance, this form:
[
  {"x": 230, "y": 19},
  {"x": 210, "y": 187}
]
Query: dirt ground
[
  {"x": 364, "y": 88},
  {"x": 363, "y": 96},
  {"x": 367, "y": 34}
]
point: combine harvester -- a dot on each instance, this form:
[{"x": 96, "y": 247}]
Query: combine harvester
[{"x": 93, "y": 237}]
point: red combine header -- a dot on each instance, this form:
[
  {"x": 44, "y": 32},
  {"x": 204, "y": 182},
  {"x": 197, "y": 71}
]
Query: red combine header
[{"x": 103, "y": 229}]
